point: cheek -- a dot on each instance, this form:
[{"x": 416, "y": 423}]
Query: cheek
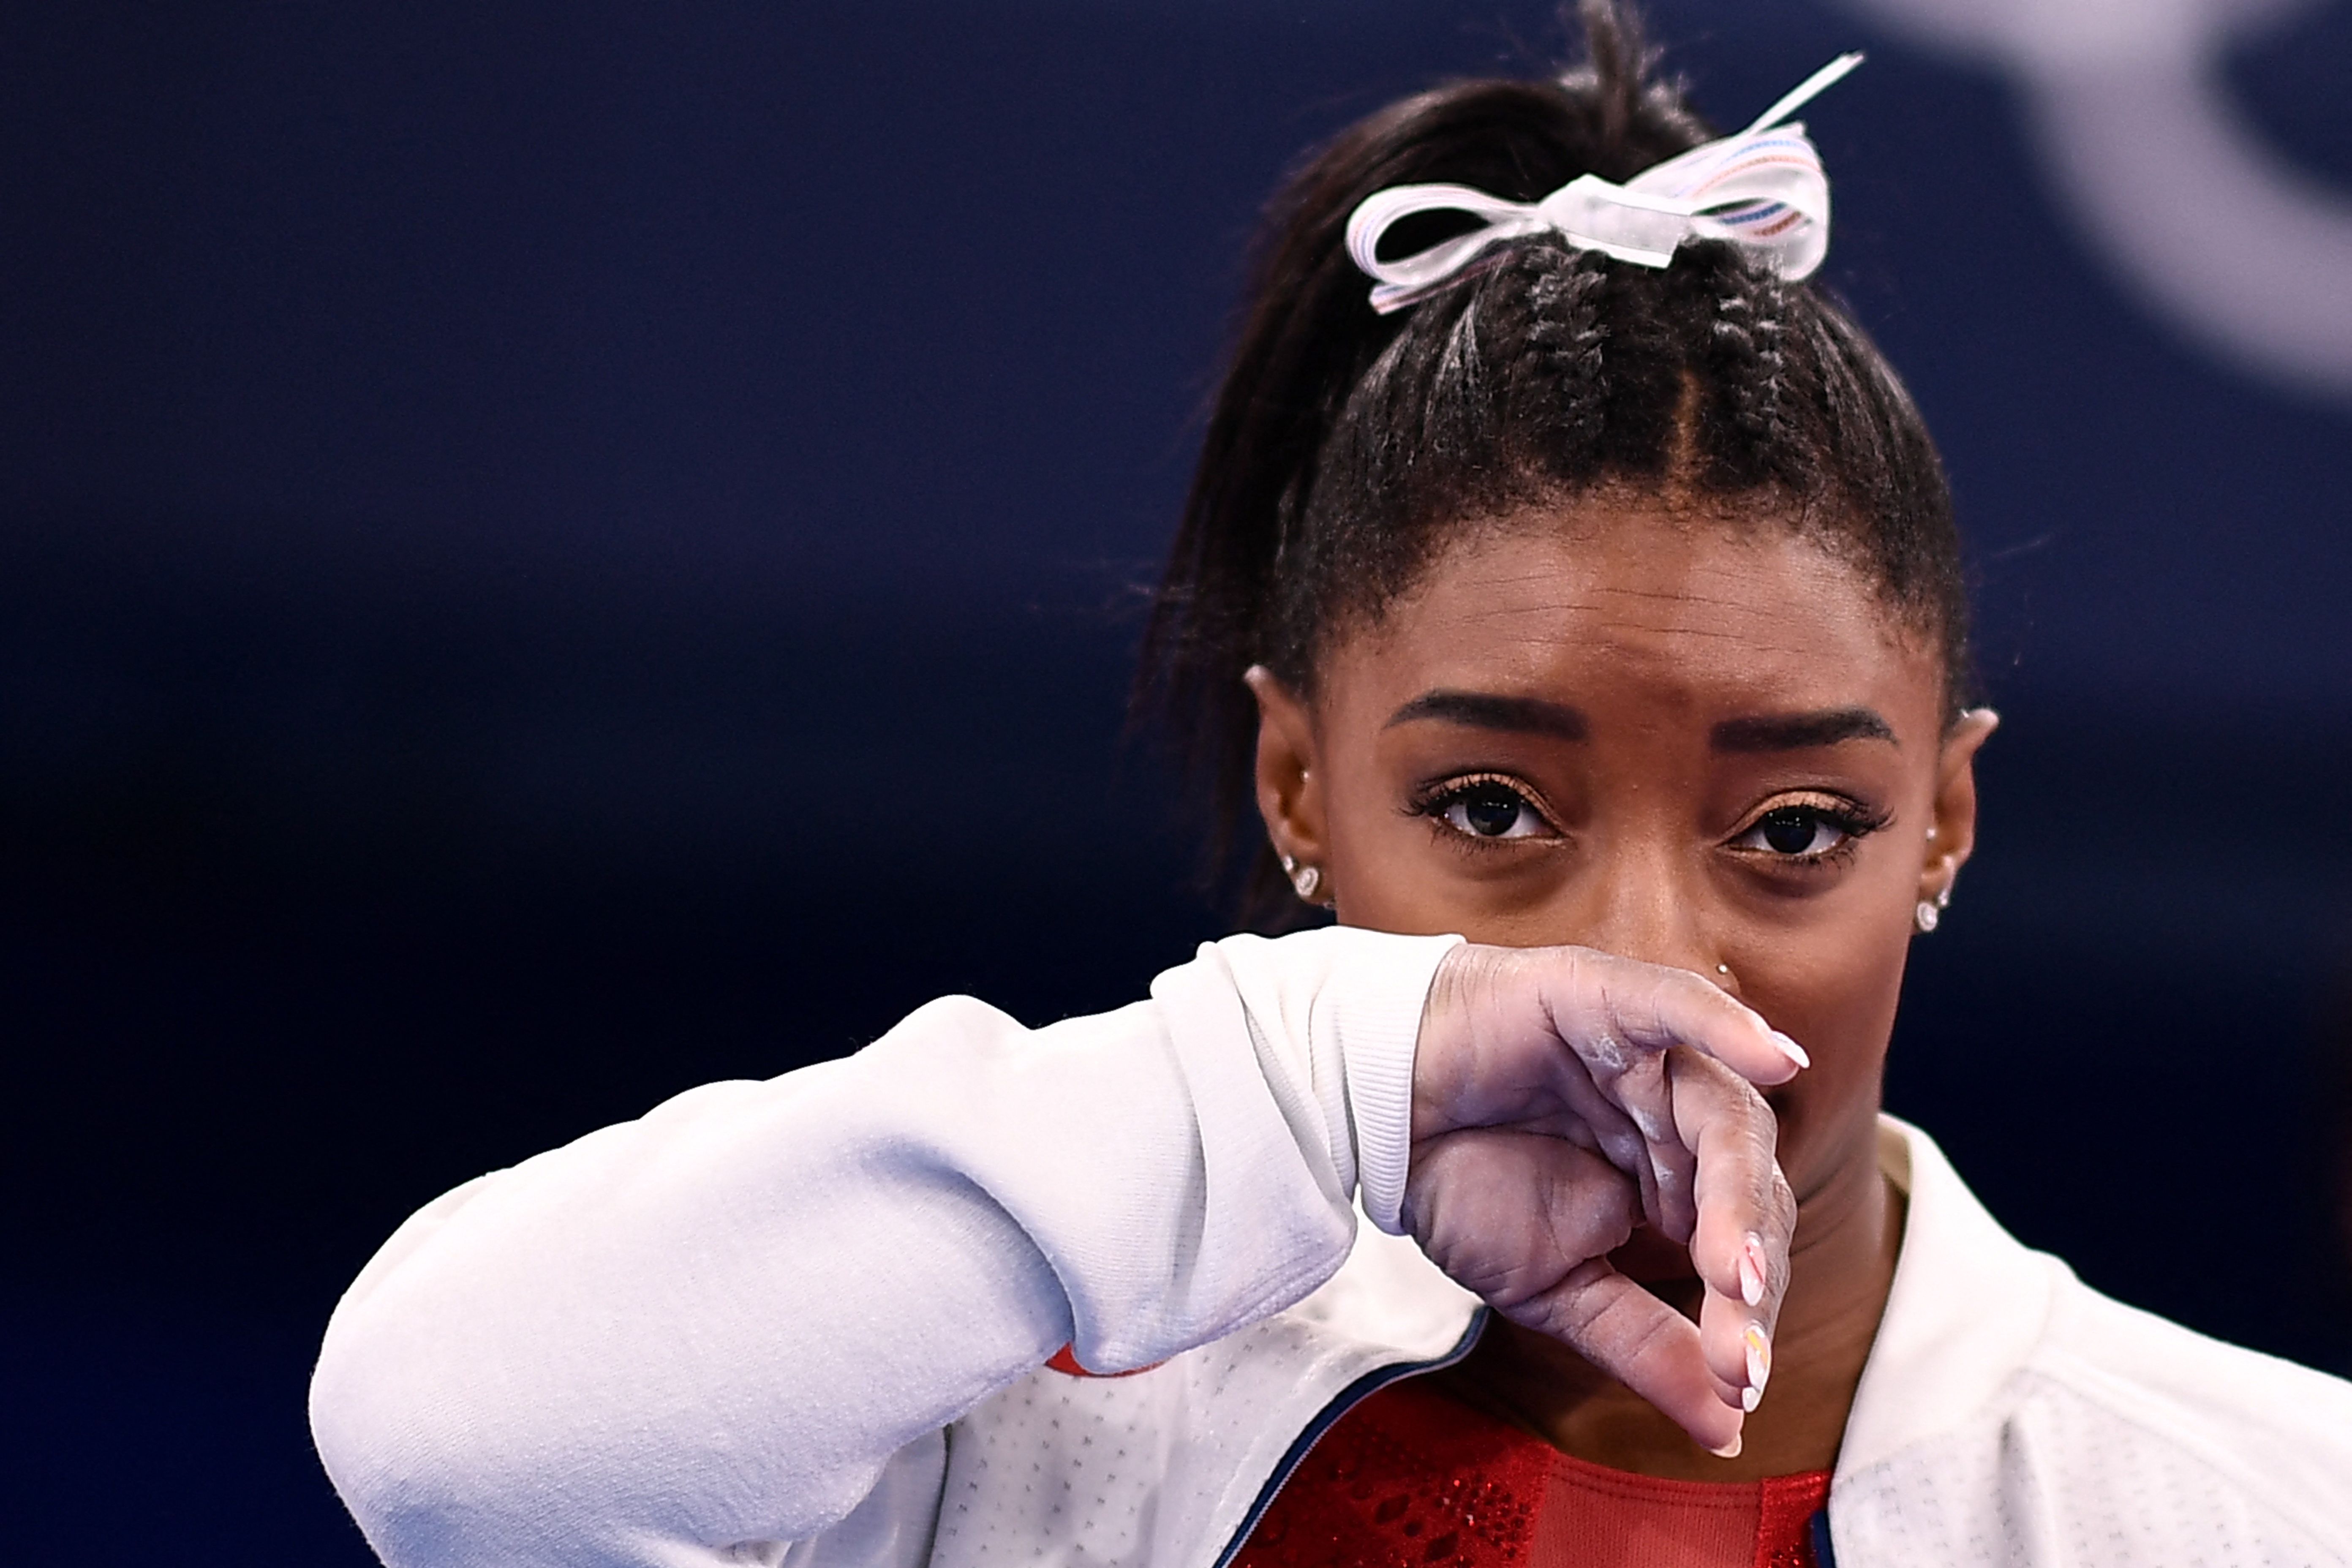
[
  {"x": 1835, "y": 992},
  {"x": 1394, "y": 871},
  {"x": 1379, "y": 890}
]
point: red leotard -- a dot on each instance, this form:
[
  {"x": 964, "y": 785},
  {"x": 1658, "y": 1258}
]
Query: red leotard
[{"x": 1411, "y": 1477}]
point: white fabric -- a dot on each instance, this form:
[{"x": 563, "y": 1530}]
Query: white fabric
[
  {"x": 803, "y": 1321},
  {"x": 715, "y": 1326},
  {"x": 1165, "y": 1466},
  {"x": 2010, "y": 1413},
  {"x": 1762, "y": 189}
]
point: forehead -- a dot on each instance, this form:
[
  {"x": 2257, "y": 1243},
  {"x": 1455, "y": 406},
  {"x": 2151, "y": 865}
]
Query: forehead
[{"x": 1631, "y": 601}]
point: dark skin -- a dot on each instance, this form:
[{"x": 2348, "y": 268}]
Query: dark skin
[{"x": 1631, "y": 723}]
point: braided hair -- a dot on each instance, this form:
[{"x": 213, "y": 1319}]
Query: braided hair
[{"x": 1343, "y": 446}]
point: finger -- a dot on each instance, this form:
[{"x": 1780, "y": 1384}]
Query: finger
[
  {"x": 1624, "y": 1002},
  {"x": 1620, "y": 1017},
  {"x": 1527, "y": 1221},
  {"x": 1507, "y": 1213},
  {"x": 1642, "y": 1343},
  {"x": 1746, "y": 1221},
  {"x": 1516, "y": 1073},
  {"x": 1490, "y": 1055}
]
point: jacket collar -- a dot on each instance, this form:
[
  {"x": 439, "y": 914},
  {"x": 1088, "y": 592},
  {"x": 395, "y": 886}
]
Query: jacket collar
[
  {"x": 1969, "y": 1304},
  {"x": 1206, "y": 1437},
  {"x": 1967, "y": 1308}
]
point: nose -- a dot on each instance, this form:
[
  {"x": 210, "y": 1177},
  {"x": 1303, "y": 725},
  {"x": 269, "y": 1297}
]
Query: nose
[{"x": 1641, "y": 897}]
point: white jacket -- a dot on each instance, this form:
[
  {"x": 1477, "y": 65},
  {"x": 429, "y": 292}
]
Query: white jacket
[{"x": 806, "y": 1320}]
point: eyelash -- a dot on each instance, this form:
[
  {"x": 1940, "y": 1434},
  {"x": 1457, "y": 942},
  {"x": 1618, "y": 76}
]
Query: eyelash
[
  {"x": 1433, "y": 801},
  {"x": 1853, "y": 821}
]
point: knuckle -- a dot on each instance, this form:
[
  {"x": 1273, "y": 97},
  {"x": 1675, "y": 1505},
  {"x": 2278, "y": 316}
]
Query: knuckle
[{"x": 1749, "y": 1105}]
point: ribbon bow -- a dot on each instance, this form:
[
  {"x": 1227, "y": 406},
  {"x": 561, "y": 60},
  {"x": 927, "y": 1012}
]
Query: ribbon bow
[{"x": 1762, "y": 189}]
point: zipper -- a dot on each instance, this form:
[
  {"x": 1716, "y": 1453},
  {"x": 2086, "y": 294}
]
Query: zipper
[{"x": 1347, "y": 1399}]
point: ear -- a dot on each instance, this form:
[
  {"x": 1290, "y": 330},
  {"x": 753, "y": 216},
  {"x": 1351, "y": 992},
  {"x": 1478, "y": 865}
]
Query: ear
[
  {"x": 1952, "y": 833},
  {"x": 1289, "y": 778}
]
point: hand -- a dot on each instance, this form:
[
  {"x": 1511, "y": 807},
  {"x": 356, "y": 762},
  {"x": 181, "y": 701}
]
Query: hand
[{"x": 1561, "y": 1096}]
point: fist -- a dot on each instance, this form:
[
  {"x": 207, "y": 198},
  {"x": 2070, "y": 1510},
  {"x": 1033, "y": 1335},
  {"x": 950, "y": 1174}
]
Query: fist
[{"x": 1560, "y": 1097}]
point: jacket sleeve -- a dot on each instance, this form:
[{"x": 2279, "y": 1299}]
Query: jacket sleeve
[{"x": 714, "y": 1326}]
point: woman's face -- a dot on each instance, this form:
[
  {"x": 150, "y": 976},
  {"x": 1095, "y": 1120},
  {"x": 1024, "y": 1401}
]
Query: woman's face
[{"x": 1621, "y": 725}]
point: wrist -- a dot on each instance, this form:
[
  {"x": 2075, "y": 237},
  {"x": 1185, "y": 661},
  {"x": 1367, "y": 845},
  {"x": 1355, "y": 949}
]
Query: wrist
[{"x": 1378, "y": 1008}]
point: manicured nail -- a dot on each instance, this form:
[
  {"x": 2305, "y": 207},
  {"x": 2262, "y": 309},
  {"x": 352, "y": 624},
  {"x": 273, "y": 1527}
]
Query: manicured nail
[
  {"x": 1791, "y": 1049},
  {"x": 1751, "y": 1269},
  {"x": 1729, "y": 1450},
  {"x": 1760, "y": 1358},
  {"x": 1749, "y": 1398}
]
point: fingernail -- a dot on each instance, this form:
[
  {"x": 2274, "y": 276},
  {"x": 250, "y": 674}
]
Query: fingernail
[
  {"x": 1729, "y": 1450},
  {"x": 1791, "y": 1049},
  {"x": 1751, "y": 1270},
  {"x": 1760, "y": 1358}
]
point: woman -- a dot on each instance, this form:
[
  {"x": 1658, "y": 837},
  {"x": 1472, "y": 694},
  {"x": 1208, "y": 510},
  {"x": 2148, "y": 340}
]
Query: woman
[{"x": 1595, "y": 598}]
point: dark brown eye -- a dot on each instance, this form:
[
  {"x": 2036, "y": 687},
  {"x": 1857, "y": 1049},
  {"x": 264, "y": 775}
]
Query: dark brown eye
[
  {"x": 1491, "y": 812},
  {"x": 1801, "y": 832},
  {"x": 1791, "y": 830},
  {"x": 1488, "y": 808}
]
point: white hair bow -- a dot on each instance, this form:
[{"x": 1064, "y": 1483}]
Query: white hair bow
[{"x": 1762, "y": 189}]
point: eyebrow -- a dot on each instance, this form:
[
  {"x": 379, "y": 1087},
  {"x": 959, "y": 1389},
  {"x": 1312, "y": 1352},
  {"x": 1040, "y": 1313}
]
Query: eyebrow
[
  {"x": 1486, "y": 710},
  {"x": 1798, "y": 732}
]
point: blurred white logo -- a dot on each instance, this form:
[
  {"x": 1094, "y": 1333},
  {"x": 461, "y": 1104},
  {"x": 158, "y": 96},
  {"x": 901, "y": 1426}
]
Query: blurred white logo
[{"x": 2209, "y": 226}]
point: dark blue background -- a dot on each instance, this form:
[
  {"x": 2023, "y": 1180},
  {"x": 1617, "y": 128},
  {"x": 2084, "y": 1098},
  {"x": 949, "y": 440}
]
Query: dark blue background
[{"x": 550, "y": 556}]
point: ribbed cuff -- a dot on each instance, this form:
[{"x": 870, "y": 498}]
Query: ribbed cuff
[{"x": 1376, "y": 998}]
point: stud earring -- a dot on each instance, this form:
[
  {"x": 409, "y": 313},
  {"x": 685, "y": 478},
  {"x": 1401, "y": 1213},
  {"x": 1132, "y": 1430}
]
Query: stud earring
[
  {"x": 1925, "y": 916},
  {"x": 1304, "y": 879}
]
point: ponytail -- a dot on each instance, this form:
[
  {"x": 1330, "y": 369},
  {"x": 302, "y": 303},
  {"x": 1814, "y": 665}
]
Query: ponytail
[{"x": 1341, "y": 440}]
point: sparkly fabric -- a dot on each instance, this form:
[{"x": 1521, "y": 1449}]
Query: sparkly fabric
[
  {"x": 1410, "y": 1478},
  {"x": 1407, "y": 1477}
]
